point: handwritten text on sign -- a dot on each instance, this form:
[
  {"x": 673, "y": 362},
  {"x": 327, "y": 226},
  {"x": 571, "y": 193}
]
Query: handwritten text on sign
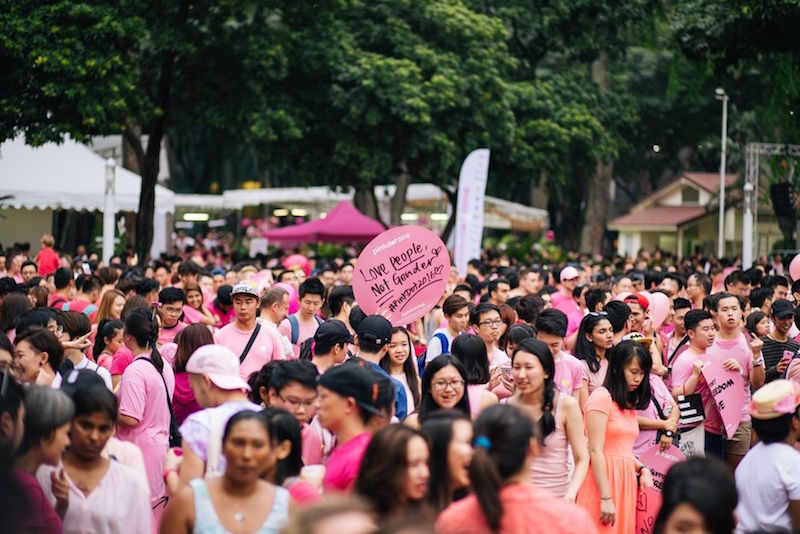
[
  {"x": 401, "y": 274},
  {"x": 727, "y": 388}
]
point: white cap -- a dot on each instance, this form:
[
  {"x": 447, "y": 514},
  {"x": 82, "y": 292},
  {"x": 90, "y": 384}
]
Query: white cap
[
  {"x": 568, "y": 273},
  {"x": 219, "y": 364},
  {"x": 245, "y": 288}
]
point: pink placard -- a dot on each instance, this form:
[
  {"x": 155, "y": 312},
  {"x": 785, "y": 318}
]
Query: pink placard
[
  {"x": 727, "y": 388},
  {"x": 648, "y": 503},
  {"x": 401, "y": 274},
  {"x": 660, "y": 462}
]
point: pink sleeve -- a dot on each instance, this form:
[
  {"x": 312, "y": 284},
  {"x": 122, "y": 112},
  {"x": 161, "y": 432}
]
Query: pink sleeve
[
  {"x": 285, "y": 329},
  {"x": 218, "y": 337},
  {"x": 122, "y": 358},
  {"x": 599, "y": 401},
  {"x": 681, "y": 371},
  {"x": 303, "y": 492},
  {"x": 577, "y": 376},
  {"x": 132, "y": 393},
  {"x": 277, "y": 346},
  {"x": 793, "y": 371}
]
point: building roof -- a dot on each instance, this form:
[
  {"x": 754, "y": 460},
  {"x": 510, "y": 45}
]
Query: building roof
[
  {"x": 657, "y": 217},
  {"x": 710, "y": 180}
]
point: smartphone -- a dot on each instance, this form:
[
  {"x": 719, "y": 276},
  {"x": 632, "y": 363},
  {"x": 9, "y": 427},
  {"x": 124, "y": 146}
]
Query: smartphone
[
  {"x": 787, "y": 356},
  {"x": 86, "y": 269},
  {"x": 506, "y": 370}
]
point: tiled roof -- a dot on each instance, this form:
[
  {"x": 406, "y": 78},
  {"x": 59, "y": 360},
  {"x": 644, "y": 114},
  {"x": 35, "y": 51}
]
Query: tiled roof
[
  {"x": 710, "y": 180},
  {"x": 658, "y": 216}
]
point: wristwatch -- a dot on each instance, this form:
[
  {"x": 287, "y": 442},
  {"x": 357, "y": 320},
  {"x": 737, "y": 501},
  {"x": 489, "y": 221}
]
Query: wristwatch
[
  {"x": 669, "y": 433},
  {"x": 759, "y": 362}
]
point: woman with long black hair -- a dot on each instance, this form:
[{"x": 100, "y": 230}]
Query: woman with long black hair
[
  {"x": 503, "y": 499},
  {"x": 559, "y": 419},
  {"x": 471, "y": 351},
  {"x": 449, "y": 433},
  {"x": 595, "y": 340},
  {"x": 443, "y": 387},
  {"x": 400, "y": 365},
  {"x": 145, "y": 401},
  {"x": 610, "y": 494}
]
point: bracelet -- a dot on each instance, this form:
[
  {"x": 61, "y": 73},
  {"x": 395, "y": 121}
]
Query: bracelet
[
  {"x": 640, "y": 468},
  {"x": 605, "y": 498},
  {"x": 759, "y": 362}
]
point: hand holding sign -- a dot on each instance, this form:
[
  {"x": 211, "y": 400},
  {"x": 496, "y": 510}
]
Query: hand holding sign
[
  {"x": 401, "y": 274},
  {"x": 727, "y": 388}
]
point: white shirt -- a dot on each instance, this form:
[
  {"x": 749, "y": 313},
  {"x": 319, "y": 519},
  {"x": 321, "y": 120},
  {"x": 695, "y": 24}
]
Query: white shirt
[
  {"x": 286, "y": 345},
  {"x": 434, "y": 346},
  {"x": 86, "y": 363},
  {"x": 119, "y": 503},
  {"x": 401, "y": 377},
  {"x": 767, "y": 479}
]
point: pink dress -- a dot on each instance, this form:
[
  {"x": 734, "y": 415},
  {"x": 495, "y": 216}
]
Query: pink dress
[
  {"x": 550, "y": 469},
  {"x": 474, "y": 394},
  {"x": 622, "y": 428}
]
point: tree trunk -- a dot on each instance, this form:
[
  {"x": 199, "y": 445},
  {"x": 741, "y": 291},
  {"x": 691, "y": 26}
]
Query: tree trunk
[
  {"x": 364, "y": 199},
  {"x": 452, "y": 197},
  {"x": 398, "y": 202},
  {"x": 538, "y": 194},
  {"x": 599, "y": 187},
  {"x": 150, "y": 162}
]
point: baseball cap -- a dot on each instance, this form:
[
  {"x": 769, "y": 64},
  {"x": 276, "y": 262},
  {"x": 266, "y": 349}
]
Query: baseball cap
[
  {"x": 330, "y": 333},
  {"x": 375, "y": 329},
  {"x": 218, "y": 270},
  {"x": 219, "y": 364},
  {"x": 782, "y": 308},
  {"x": 568, "y": 273},
  {"x": 245, "y": 288},
  {"x": 778, "y": 398},
  {"x": 636, "y": 298},
  {"x": 350, "y": 380}
]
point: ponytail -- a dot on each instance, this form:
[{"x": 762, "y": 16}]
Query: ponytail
[
  {"x": 106, "y": 328},
  {"x": 142, "y": 325},
  {"x": 547, "y": 423},
  {"x": 486, "y": 484},
  {"x": 503, "y": 434}
]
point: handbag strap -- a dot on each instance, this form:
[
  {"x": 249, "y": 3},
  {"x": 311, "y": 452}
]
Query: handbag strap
[
  {"x": 658, "y": 408},
  {"x": 250, "y": 343}
]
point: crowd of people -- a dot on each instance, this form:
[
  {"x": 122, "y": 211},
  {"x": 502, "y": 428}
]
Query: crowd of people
[{"x": 195, "y": 395}]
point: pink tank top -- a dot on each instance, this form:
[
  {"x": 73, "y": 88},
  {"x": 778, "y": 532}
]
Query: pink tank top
[
  {"x": 550, "y": 469},
  {"x": 474, "y": 393}
]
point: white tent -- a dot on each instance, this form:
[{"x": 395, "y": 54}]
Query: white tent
[{"x": 69, "y": 176}]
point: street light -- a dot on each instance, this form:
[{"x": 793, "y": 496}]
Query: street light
[
  {"x": 747, "y": 227},
  {"x": 721, "y": 95}
]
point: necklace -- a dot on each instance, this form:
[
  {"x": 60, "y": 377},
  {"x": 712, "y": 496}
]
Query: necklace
[{"x": 238, "y": 516}]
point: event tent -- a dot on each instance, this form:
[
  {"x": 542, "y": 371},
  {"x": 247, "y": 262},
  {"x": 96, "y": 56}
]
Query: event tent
[
  {"x": 70, "y": 176},
  {"x": 343, "y": 224}
]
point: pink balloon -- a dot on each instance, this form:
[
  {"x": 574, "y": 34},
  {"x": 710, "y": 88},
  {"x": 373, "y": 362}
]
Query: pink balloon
[
  {"x": 297, "y": 261},
  {"x": 659, "y": 309},
  {"x": 648, "y": 296},
  {"x": 794, "y": 268},
  {"x": 622, "y": 295},
  {"x": 294, "y": 298}
]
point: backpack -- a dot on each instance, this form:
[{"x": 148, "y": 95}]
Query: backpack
[
  {"x": 445, "y": 349},
  {"x": 295, "y": 324}
]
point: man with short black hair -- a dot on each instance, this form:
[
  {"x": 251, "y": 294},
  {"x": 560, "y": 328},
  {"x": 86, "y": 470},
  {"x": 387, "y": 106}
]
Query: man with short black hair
[
  {"x": 188, "y": 271},
  {"x": 89, "y": 288},
  {"x": 75, "y": 328},
  {"x": 551, "y": 328},
  {"x": 779, "y": 347},
  {"x": 148, "y": 288},
  {"x": 301, "y": 325},
  {"x": 498, "y": 290},
  {"x": 340, "y": 302},
  {"x": 346, "y": 274},
  {"x": 761, "y": 299},
  {"x": 274, "y": 309},
  {"x": 698, "y": 287},
  {"x": 738, "y": 283},
  {"x": 28, "y": 271},
  {"x": 171, "y": 301}
]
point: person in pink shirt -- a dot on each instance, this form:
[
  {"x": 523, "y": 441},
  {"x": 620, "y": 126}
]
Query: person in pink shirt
[
  {"x": 171, "y": 301},
  {"x": 563, "y": 299},
  {"x": 222, "y": 306},
  {"x": 486, "y": 321},
  {"x": 301, "y": 325},
  {"x": 47, "y": 258},
  {"x": 189, "y": 340},
  {"x": 503, "y": 500},
  {"x": 731, "y": 344},
  {"x": 348, "y": 396},
  {"x": 88, "y": 293},
  {"x": 687, "y": 377},
  {"x": 265, "y": 345},
  {"x": 293, "y": 387},
  {"x": 145, "y": 399},
  {"x": 551, "y": 327}
]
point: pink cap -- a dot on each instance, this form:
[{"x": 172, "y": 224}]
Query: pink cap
[
  {"x": 219, "y": 364},
  {"x": 568, "y": 273}
]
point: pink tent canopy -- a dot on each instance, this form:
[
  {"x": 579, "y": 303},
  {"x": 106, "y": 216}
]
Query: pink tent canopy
[{"x": 344, "y": 224}]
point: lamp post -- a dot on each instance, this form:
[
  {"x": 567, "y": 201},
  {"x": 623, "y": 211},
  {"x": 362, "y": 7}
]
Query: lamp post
[
  {"x": 109, "y": 212},
  {"x": 747, "y": 227},
  {"x": 721, "y": 95}
]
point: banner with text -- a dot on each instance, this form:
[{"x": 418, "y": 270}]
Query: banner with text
[
  {"x": 469, "y": 208},
  {"x": 727, "y": 388},
  {"x": 401, "y": 274}
]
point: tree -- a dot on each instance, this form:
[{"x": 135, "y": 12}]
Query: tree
[{"x": 125, "y": 68}]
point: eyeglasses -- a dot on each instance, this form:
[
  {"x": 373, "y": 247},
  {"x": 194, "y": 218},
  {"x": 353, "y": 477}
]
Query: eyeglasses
[
  {"x": 496, "y": 322},
  {"x": 441, "y": 385},
  {"x": 599, "y": 314},
  {"x": 56, "y": 329},
  {"x": 297, "y": 403},
  {"x": 171, "y": 310}
]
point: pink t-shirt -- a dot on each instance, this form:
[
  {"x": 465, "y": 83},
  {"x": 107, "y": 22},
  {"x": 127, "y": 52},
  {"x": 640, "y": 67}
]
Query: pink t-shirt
[
  {"x": 265, "y": 348},
  {"x": 312, "y": 445},
  {"x": 739, "y": 349},
  {"x": 225, "y": 318},
  {"x": 564, "y": 303},
  {"x": 167, "y": 335},
  {"x": 682, "y": 371},
  {"x": 306, "y": 330},
  {"x": 122, "y": 359},
  {"x": 526, "y": 508},
  {"x": 142, "y": 396},
  {"x": 661, "y": 394},
  {"x": 594, "y": 379},
  {"x": 344, "y": 463},
  {"x": 569, "y": 373},
  {"x": 574, "y": 321}
]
